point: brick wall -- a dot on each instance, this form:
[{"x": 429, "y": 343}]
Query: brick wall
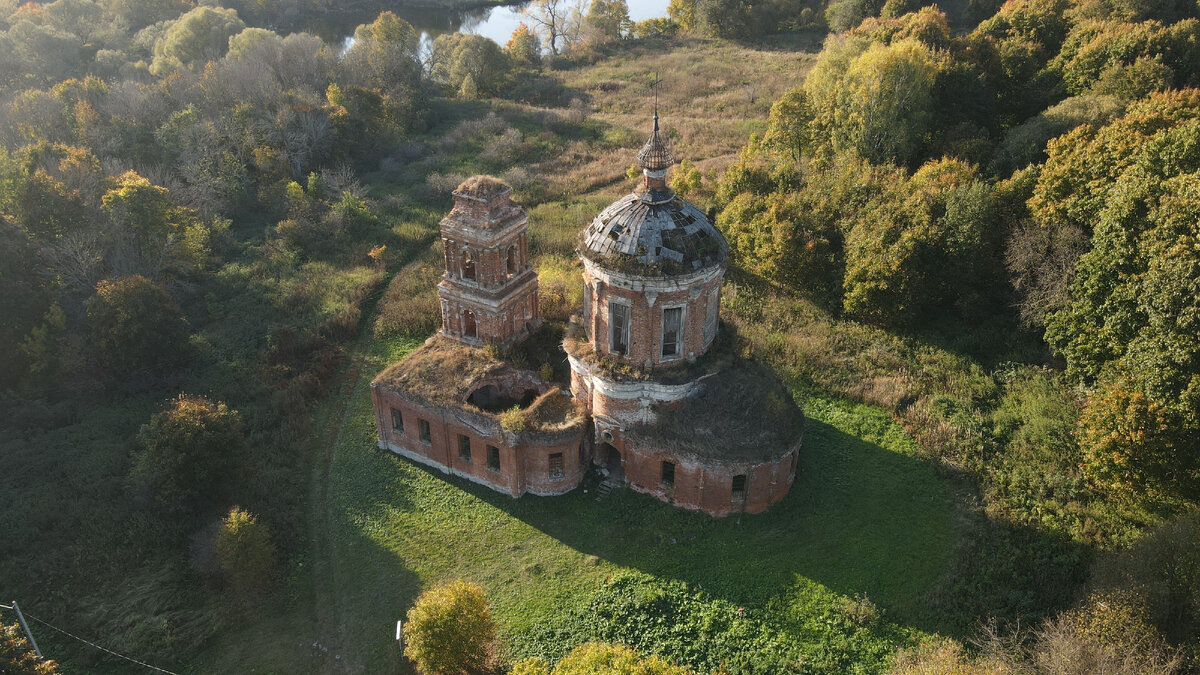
[
  {"x": 524, "y": 459},
  {"x": 498, "y": 290},
  {"x": 646, "y": 318},
  {"x": 504, "y": 319},
  {"x": 708, "y": 485}
]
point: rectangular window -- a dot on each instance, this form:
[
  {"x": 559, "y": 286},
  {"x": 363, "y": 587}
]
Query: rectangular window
[
  {"x": 668, "y": 473},
  {"x": 493, "y": 458},
  {"x": 397, "y": 421},
  {"x": 423, "y": 425},
  {"x": 739, "y": 486},
  {"x": 464, "y": 448},
  {"x": 556, "y": 465},
  {"x": 671, "y": 330},
  {"x": 618, "y": 318}
]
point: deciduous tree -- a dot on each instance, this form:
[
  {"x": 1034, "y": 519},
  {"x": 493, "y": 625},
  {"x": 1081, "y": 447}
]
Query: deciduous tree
[
  {"x": 200, "y": 36},
  {"x": 186, "y": 455},
  {"x": 450, "y": 630},
  {"x": 524, "y": 47}
]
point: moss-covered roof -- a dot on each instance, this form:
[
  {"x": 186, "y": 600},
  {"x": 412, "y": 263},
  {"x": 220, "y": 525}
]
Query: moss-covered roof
[
  {"x": 444, "y": 372},
  {"x": 482, "y": 187},
  {"x": 741, "y": 414}
]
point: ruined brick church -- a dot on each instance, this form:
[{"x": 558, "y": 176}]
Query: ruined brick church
[{"x": 659, "y": 397}]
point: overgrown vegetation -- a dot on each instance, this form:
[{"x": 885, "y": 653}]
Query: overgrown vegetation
[{"x": 967, "y": 240}]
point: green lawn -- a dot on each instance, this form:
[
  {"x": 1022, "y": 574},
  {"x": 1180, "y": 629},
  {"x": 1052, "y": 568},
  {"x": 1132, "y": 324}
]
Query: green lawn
[{"x": 864, "y": 519}]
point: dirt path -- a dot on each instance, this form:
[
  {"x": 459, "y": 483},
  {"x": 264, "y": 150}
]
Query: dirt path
[{"x": 329, "y": 626}]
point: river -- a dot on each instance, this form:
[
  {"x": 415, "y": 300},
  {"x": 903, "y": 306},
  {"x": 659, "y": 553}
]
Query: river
[{"x": 497, "y": 23}]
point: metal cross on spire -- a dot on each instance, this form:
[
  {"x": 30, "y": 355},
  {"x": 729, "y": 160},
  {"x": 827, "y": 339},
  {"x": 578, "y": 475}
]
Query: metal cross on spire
[{"x": 654, "y": 88}]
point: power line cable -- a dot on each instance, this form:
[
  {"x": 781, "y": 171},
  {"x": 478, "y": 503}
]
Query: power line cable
[{"x": 103, "y": 649}]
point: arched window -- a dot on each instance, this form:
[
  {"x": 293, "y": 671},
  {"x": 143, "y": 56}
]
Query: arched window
[
  {"x": 469, "y": 328},
  {"x": 511, "y": 263},
  {"x": 468, "y": 265}
]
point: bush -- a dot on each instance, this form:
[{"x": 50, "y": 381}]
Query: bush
[
  {"x": 513, "y": 420},
  {"x": 245, "y": 552},
  {"x": 450, "y": 630},
  {"x": 187, "y": 453},
  {"x": 136, "y": 327},
  {"x": 598, "y": 658}
]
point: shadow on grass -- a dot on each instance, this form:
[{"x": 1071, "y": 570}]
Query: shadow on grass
[{"x": 859, "y": 520}]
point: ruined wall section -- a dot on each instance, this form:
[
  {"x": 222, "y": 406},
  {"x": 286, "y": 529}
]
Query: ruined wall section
[{"x": 527, "y": 461}]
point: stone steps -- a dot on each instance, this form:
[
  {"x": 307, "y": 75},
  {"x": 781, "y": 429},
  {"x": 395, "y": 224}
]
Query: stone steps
[{"x": 606, "y": 487}]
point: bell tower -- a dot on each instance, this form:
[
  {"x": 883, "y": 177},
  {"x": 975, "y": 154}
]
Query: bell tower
[{"x": 489, "y": 289}]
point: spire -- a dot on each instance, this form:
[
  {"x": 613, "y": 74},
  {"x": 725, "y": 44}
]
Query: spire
[{"x": 655, "y": 156}]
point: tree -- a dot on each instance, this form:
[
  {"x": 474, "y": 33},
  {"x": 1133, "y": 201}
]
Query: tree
[
  {"x": 919, "y": 247},
  {"x": 150, "y": 232},
  {"x": 386, "y": 54},
  {"x": 1134, "y": 311},
  {"x": 735, "y": 19},
  {"x": 608, "y": 19},
  {"x": 245, "y": 552},
  {"x": 789, "y": 126},
  {"x": 186, "y": 454},
  {"x": 782, "y": 238},
  {"x": 524, "y": 47},
  {"x": 135, "y": 327},
  {"x": 450, "y": 630},
  {"x": 24, "y": 298},
  {"x": 884, "y": 106},
  {"x": 683, "y": 12},
  {"x": 842, "y": 15},
  {"x": 17, "y": 656},
  {"x": 1134, "y": 444},
  {"x": 550, "y": 18},
  {"x": 200, "y": 36},
  {"x": 457, "y": 57}
]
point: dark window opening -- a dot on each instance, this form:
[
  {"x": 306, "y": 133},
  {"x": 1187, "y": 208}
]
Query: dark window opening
[
  {"x": 468, "y": 268},
  {"x": 619, "y": 316},
  {"x": 493, "y": 462},
  {"x": 423, "y": 425},
  {"x": 512, "y": 261},
  {"x": 672, "y": 317},
  {"x": 668, "y": 473},
  {"x": 469, "y": 328},
  {"x": 464, "y": 448},
  {"x": 739, "y": 485},
  {"x": 397, "y": 421},
  {"x": 556, "y": 465}
]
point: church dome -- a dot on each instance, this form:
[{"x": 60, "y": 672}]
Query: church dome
[{"x": 653, "y": 230}]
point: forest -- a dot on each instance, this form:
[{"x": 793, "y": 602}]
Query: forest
[{"x": 967, "y": 236}]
